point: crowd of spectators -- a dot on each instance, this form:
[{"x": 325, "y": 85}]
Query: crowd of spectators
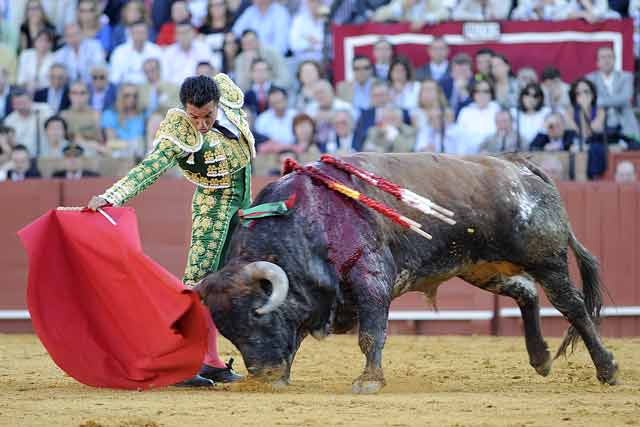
[{"x": 93, "y": 78}]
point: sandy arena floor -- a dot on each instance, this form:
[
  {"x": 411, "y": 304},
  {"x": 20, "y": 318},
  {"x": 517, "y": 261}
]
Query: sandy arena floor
[{"x": 435, "y": 381}]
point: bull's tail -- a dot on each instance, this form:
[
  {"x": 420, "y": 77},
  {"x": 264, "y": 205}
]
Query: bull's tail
[{"x": 591, "y": 289}]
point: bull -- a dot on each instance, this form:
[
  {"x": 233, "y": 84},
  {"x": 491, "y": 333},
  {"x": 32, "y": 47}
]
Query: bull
[{"x": 332, "y": 264}]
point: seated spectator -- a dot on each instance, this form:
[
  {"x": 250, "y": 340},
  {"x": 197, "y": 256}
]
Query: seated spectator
[
  {"x": 309, "y": 73},
  {"x": 22, "y": 167},
  {"x": 304, "y": 135},
  {"x": 5, "y": 94},
  {"x": 354, "y": 12},
  {"x": 383, "y": 54},
  {"x": 217, "y": 25},
  {"x": 179, "y": 13},
  {"x": 530, "y": 114},
  {"x": 102, "y": 93},
  {"x": 634, "y": 12},
  {"x": 179, "y": 60},
  {"x": 218, "y": 21},
  {"x": 477, "y": 120},
  {"x": 483, "y": 58},
  {"x": 306, "y": 37},
  {"x": 133, "y": 12},
  {"x": 556, "y": 92},
  {"x": 79, "y": 54},
  {"x": 253, "y": 48},
  {"x": 83, "y": 121},
  {"x": 205, "y": 68},
  {"x": 590, "y": 10},
  {"x": 615, "y": 95},
  {"x": 417, "y": 12},
  {"x": 505, "y": 84},
  {"x": 525, "y": 76},
  {"x": 323, "y": 107},
  {"x": 56, "y": 94},
  {"x": 358, "y": 91},
  {"x": 152, "y": 126},
  {"x": 438, "y": 135},
  {"x": 380, "y": 98},
  {"x": 57, "y": 137},
  {"x": 60, "y": 12},
  {"x": 325, "y": 102},
  {"x": 33, "y": 69},
  {"x": 553, "y": 167},
  {"x": 257, "y": 98},
  {"x": 438, "y": 66},
  {"x": 8, "y": 60},
  {"x": 456, "y": 87},
  {"x": 584, "y": 116},
  {"x": 230, "y": 51},
  {"x": 27, "y": 119},
  {"x": 404, "y": 90},
  {"x": 625, "y": 172},
  {"x": 92, "y": 26},
  {"x": 390, "y": 135},
  {"x": 73, "y": 162},
  {"x": 127, "y": 59},
  {"x": 342, "y": 140},
  {"x": 555, "y": 136},
  {"x": 540, "y": 10},
  {"x": 276, "y": 123},
  {"x": 267, "y": 18},
  {"x": 124, "y": 127},
  {"x": 157, "y": 95},
  {"x": 35, "y": 20},
  {"x": 431, "y": 96},
  {"x": 481, "y": 10},
  {"x": 505, "y": 138},
  {"x": 5, "y": 146}
]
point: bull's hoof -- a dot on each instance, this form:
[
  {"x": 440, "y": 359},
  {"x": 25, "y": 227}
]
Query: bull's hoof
[
  {"x": 543, "y": 368},
  {"x": 609, "y": 375},
  {"x": 367, "y": 387},
  {"x": 280, "y": 384}
]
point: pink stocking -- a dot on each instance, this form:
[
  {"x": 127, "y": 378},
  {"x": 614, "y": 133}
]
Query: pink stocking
[{"x": 211, "y": 357}]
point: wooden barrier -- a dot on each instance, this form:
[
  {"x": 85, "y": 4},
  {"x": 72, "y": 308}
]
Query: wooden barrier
[{"x": 604, "y": 216}]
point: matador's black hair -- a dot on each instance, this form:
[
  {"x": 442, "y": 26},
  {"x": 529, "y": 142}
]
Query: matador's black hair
[{"x": 199, "y": 91}]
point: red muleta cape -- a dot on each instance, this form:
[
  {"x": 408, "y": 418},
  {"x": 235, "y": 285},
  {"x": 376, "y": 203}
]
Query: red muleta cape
[{"x": 108, "y": 315}]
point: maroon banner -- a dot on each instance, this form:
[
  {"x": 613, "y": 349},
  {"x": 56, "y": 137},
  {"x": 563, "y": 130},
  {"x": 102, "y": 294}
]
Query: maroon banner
[{"x": 568, "y": 45}]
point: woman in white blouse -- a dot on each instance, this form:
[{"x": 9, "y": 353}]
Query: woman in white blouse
[
  {"x": 530, "y": 114},
  {"x": 404, "y": 91},
  {"x": 476, "y": 121},
  {"x": 34, "y": 64}
]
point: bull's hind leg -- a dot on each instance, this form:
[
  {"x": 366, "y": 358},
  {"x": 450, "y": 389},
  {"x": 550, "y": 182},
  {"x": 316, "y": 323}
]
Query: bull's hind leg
[
  {"x": 523, "y": 290},
  {"x": 371, "y": 338},
  {"x": 570, "y": 301}
]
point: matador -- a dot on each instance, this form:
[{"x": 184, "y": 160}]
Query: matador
[{"x": 210, "y": 141}]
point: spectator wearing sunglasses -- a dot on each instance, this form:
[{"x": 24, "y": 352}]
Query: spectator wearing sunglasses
[
  {"x": 530, "y": 113},
  {"x": 102, "y": 93}
]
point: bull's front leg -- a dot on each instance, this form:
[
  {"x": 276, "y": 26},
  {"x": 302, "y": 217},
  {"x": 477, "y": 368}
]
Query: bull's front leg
[{"x": 372, "y": 336}]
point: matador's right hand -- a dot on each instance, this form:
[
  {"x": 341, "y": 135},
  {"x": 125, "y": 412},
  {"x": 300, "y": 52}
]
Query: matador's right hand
[{"x": 96, "y": 202}]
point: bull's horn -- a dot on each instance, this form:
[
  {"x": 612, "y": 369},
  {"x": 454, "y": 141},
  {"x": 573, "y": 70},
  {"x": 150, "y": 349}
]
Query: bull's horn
[{"x": 279, "y": 282}]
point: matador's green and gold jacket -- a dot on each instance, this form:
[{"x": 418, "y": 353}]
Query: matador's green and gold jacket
[{"x": 219, "y": 163}]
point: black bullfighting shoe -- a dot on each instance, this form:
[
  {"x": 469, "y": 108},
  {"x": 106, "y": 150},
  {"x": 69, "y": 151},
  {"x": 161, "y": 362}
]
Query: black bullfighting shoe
[
  {"x": 196, "y": 381},
  {"x": 220, "y": 375}
]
